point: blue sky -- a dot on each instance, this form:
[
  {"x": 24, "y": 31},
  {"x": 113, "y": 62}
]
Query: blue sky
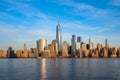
[{"x": 25, "y": 21}]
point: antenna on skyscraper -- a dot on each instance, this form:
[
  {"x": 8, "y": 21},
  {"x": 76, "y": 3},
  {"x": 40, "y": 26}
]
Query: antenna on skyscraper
[{"x": 58, "y": 22}]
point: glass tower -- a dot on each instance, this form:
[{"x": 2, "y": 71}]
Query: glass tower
[
  {"x": 59, "y": 36},
  {"x": 73, "y": 43}
]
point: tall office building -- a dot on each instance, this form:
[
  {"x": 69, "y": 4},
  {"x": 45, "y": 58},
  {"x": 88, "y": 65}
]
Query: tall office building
[
  {"x": 83, "y": 46},
  {"x": 65, "y": 49},
  {"x": 106, "y": 44},
  {"x": 25, "y": 47},
  {"x": 78, "y": 42},
  {"x": 1, "y": 53},
  {"x": 79, "y": 39},
  {"x": 55, "y": 45},
  {"x": 119, "y": 52},
  {"x": 99, "y": 46},
  {"x": 10, "y": 53},
  {"x": 90, "y": 44},
  {"x": 34, "y": 52},
  {"x": 19, "y": 53},
  {"x": 41, "y": 45},
  {"x": 73, "y": 43},
  {"x": 59, "y": 36},
  {"x": 25, "y": 52}
]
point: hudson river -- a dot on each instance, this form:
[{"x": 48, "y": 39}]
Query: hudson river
[{"x": 60, "y": 69}]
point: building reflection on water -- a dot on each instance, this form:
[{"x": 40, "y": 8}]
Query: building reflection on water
[
  {"x": 43, "y": 69},
  {"x": 60, "y": 69}
]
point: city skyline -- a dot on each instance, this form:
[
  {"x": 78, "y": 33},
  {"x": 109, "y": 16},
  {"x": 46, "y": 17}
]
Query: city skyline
[{"x": 28, "y": 20}]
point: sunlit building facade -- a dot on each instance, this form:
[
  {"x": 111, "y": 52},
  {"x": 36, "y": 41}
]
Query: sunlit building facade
[{"x": 41, "y": 45}]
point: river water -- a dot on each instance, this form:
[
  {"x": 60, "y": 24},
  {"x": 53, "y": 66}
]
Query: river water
[{"x": 60, "y": 69}]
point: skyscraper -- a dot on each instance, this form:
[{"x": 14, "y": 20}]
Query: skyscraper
[
  {"x": 25, "y": 47},
  {"x": 65, "y": 49},
  {"x": 25, "y": 52},
  {"x": 59, "y": 36},
  {"x": 73, "y": 43},
  {"x": 41, "y": 45},
  {"x": 90, "y": 44},
  {"x": 79, "y": 39},
  {"x": 10, "y": 53},
  {"x": 78, "y": 42},
  {"x": 1, "y": 53},
  {"x": 106, "y": 43}
]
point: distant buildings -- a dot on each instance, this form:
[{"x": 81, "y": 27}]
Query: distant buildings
[
  {"x": 56, "y": 49},
  {"x": 19, "y": 53},
  {"x": 78, "y": 49},
  {"x": 10, "y": 53},
  {"x": 32, "y": 53},
  {"x": 95, "y": 54},
  {"x": 90, "y": 44},
  {"x": 25, "y": 52},
  {"x": 118, "y": 52},
  {"x": 51, "y": 50},
  {"x": 46, "y": 54},
  {"x": 65, "y": 49},
  {"x": 2, "y": 55}
]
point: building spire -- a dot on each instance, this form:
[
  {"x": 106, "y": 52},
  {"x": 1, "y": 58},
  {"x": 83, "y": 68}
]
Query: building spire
[
  {"x": 25, "y": 47},
  {"x": 58, "y": 22},
  {"x": 59, "y": 36}
]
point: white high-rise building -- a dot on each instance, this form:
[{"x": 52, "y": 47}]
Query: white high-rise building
[
  {"x": 90, "y": 44},
  {"x": 78, "y": 44}
]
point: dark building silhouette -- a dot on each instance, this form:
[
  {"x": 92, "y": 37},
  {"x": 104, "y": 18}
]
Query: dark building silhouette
[
  {"x": 87, "y": 46},
  {"x": 69, "y": 50},
  {"x": 10, "y": 53},
  {"x": 73, "y": 44}
]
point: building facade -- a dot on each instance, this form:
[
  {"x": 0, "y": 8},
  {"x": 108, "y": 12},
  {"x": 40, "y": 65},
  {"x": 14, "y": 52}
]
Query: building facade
[
  {"x": 59, "y": 36},
  {"x": 41, "y": 45},
  {"x": 73, "y": 44}
]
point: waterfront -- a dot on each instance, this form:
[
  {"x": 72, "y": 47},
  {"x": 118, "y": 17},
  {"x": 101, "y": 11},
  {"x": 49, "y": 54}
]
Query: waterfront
[{"x": 60, "y": 68}]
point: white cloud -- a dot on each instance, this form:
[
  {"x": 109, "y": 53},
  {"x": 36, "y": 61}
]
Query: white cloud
[
  {"x": 8, "y": 30},
  {"x": 115, "y": 3},
  {"x": 20, "y": 30},
  {"x": 6, "y": 16},
  {"x": 83, "y": 9},
  {"x": 42, "y": 33},
  {"x": 16, "y": 8},
  {"x": 79, "y": 25},
  {"x": 25, "y": 9}
]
